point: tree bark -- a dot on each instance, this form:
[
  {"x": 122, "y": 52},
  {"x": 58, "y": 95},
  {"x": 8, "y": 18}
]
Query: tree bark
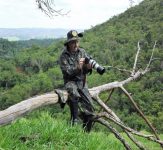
[{"x": 18, "y": 110}]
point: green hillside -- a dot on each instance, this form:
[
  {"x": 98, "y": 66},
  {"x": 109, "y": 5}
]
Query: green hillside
[
  {"x": 33, "y": 69},
  {"x": 115, "y": 43},
  {"x": 43, "y": 132},
  {"x": 118, "y": 37}
]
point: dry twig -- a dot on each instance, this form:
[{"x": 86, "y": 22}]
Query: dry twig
[{"x": 47, "y": 6}]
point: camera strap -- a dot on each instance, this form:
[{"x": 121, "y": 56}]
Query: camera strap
[{"x": 84, "y": 80}]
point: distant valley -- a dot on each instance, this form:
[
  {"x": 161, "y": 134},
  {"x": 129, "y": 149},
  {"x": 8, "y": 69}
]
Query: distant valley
[{"x": 15, "y": 34}]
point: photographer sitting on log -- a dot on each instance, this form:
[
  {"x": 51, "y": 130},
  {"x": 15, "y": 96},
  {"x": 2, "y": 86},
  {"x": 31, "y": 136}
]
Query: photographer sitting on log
[{"x": 75, "y": 65}]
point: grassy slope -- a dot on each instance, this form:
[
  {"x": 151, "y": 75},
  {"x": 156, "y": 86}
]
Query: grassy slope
[{"x": 46, "y": 132}]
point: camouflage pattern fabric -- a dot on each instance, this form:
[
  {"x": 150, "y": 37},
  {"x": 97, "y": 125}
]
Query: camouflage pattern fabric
[
  {"x": 61, "y": 98},
  {"x": 74, "y": 78},
  {"x": 69, "y": 65}
]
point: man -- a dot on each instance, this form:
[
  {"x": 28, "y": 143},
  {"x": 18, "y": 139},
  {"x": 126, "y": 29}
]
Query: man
[{"x": 74, "y": 69}]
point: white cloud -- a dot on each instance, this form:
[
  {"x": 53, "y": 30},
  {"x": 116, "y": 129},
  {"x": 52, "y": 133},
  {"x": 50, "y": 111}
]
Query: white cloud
[{"x": 83, "y": 14}]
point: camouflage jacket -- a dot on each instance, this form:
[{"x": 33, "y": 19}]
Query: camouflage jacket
[
  {"x": 74, "y": 78},
  {"x": 69, "y": 64}
]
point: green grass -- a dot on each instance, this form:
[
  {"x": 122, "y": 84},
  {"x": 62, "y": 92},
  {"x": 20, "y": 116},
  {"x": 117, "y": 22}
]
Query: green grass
[{"x": 44, "y": 132}]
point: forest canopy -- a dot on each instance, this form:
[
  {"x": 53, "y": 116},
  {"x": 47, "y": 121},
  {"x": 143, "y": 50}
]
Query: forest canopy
[{"x": 29, "y": 68}]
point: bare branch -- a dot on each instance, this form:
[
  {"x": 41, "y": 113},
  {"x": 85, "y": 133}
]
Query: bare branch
[
  {"x": 108, "y": 116},
  {"x": 96, "y": 90},
  {"x": 112, "y": 116},
  {"x": 112, "y": 90},
  {"x": 140, "y": 112},
  {"x": 137, "y": 143},
  {"x": 106, "y": 108},
  {"x": 151, "y": 58},
  {"x": 128, "y": 129},
  {"x": 119, "y": 69},
  {"x": 115, "y": 132},
  {"x": 136, "y": 59},
  {"x": 47, "y": 6}
]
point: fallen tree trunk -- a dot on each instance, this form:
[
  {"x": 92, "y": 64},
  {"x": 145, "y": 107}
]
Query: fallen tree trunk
[{"x": 18, "y": 110}]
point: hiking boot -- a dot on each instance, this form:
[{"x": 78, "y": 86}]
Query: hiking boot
[{"x": 74, "y": 122}]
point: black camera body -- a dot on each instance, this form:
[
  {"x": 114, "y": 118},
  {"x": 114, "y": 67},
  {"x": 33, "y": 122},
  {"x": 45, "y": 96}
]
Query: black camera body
[{"x": 95, "y": 65}]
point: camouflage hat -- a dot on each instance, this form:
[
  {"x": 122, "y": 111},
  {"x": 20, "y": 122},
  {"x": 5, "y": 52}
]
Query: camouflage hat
[{"x": 73, "y": 35}]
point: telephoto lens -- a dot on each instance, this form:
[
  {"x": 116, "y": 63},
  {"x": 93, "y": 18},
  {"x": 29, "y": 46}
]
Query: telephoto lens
[{"x": 95, "y": 65}]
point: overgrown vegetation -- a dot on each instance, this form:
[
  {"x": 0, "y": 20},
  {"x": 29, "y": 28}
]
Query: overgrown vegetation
[{"x": 27, "y": 70}]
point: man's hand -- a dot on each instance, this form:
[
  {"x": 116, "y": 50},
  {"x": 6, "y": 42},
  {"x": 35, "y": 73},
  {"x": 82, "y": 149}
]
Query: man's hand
[
  {"x": 89, "y": 66},
  {"x": 81, "y": 62}
]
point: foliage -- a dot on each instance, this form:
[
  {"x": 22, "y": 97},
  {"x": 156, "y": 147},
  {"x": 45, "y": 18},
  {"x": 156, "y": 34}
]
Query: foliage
[{"x": 28, "y": 68}]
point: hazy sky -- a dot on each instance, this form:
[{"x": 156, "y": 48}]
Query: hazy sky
[{"x": 83, "y": 13}]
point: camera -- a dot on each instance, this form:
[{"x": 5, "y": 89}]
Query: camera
[{"x": 94, "y": 64}]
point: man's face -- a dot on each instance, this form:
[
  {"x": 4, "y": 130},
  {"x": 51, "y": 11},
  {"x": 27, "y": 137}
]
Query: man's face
[{"x": 73, "y": 45}]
